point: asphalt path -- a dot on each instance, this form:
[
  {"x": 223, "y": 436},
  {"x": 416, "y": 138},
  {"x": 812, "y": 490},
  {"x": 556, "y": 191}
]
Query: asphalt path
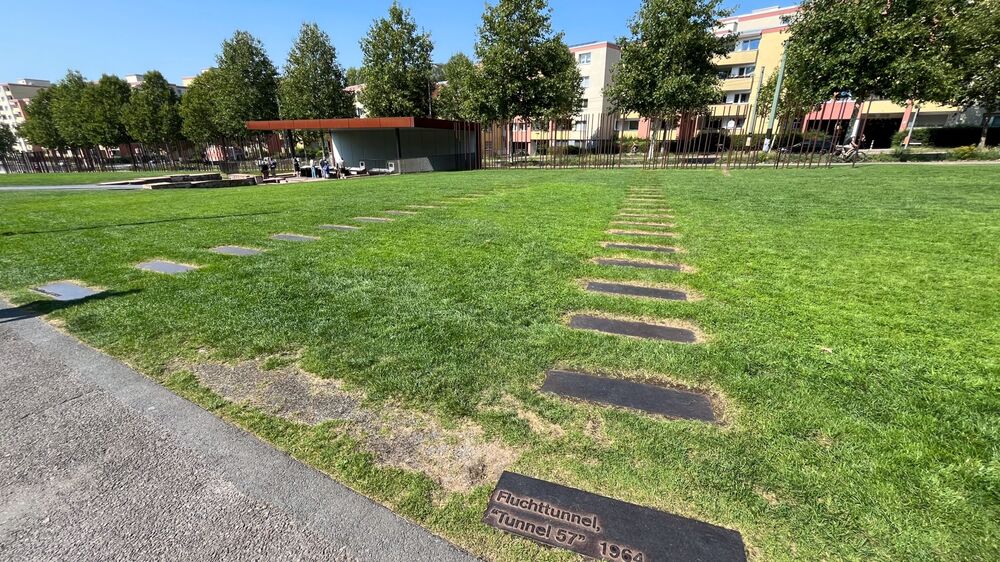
[{"x": 98, "y": 462}]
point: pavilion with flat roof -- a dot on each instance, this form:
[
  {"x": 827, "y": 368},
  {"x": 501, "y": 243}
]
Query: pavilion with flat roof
[{"x": 394, "y": 144}]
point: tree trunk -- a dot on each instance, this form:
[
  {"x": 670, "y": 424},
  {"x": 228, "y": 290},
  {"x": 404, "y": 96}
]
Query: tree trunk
[{"x": 985, "y": 128}]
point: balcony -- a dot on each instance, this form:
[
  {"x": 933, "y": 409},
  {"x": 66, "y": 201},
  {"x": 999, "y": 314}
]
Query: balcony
[
  {"x": 737, "y": 84},
  {"x": 738, "y": 57}
]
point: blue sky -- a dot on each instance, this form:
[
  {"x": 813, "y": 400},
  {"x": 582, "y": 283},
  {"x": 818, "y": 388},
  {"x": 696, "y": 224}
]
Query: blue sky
[{"x": 44, "y": 38}]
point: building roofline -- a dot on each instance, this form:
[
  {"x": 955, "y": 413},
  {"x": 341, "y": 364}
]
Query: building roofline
[{"x": 584, "y": 46}]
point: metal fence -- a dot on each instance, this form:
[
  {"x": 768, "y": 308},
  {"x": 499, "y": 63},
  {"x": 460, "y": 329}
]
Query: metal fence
[{"x": 734, "y": 136}]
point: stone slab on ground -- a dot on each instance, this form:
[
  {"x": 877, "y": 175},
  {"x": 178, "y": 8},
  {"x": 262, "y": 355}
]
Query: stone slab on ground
[
  {"x": 100, "y": 463},
  {"x": 294, "y": 237},
  {"x": 236, "y": 251},
  {"x": 648, "y": 398},
  {"x": 66, "y": 291},
  {"x": 626, "y": 289},
  {"x": 373, "y": 219},
  {"x": 165, "y": 267},
  {"x": 604, "y": 528},
  {"x": 640, "y": 247},
  {"x": 344, "y": 227},
  {"x": 631, "y": 328},
  {"x": 639, "y": 264}
]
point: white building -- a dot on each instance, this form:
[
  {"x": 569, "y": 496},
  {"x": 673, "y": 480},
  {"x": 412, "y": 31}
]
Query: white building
[{"x": 14, "y": 99}]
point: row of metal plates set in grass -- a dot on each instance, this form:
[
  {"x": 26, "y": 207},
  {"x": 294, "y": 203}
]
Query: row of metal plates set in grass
[
  {"x": 594, "y": 525},
  {"x": 549, "y": 513}
]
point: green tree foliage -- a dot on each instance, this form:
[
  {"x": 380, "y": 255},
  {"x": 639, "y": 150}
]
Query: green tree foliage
[
  {"x": 102, "y": 106},
  {"x": 794, "y": 98},
  {"x": 151, "y": 115},
  {"x": 526, "y": 70},
  {"x": 893, "y": 49},
  {"x": 976, "y": 57},
  {"x": 667, "y": 65},
  {"x": 246, "y": 87},
  {"x": 68, "y": 109},
  {"x": 453, "y": 97},
  {"x": 39, "y": 127},
  {"x": 7, "y": 140},
  {"x": 352, "y": 76},
  {"x": 313, "y": 84},
  {"x": 198, "y": 108},
  {"x": 397, "y": 67}
]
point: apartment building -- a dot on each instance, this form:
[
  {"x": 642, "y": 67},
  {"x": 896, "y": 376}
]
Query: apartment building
[
  {"x": 760, "y": 45},
  {"x": 14, "y": 99},
  {"x": 594, "y": 123}
]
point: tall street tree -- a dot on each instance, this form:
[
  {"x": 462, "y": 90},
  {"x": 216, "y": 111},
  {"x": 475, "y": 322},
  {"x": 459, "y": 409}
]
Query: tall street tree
[
  {"x": 68, "y": 109},
  {"x": 453, "y": 100},
  {"x": 896, "y": 50},
  {"x": 39, "y": 127},
  {"x": 199, "y": 110},
  {"x": 526, "y": 70},
  {"x": 976, "y": 56},
  {"x": 313, "y": 84},
  {"x": 151, "y": 115},
  {"x": 102, "y": 106},
  {"x": 247, "y": 85},
  {"x": 667, "y": 65},
  {"x": 7, "y": 140},
  {"x": 397, "y": 67}
]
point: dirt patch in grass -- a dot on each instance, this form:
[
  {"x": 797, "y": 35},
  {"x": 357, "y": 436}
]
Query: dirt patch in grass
[
  {"x": 538, "y": 424},
  {"x": 458, "y": 459}
]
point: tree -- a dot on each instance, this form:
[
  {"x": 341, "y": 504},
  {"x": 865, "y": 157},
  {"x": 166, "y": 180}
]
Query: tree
[
  {"x": 313, "y": 84},
  {"x": 151, "y": 115},
  {"x": 352, "y": 77},
  {"x": 39, "y": 127},
  {"x": 895, "y": 50},
  {"x": 397, "y": 67},
  {"x": 794, "y": 98},
  {"x": 526, "y": 70},
  {"x": 7, "y": 140},
  {"x": 453, "y": 97},
  {"x": 246, "y": 87},
  {"x": 102, "y": 107},
  {"x": 198, "y": 108},
  {"x": 68, "y": 110},
  {"x": 976, "y": 55},
  {"x": 668, "y": 62}
]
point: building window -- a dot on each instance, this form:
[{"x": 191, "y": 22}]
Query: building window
[
  {"x": 743, "y": 71},
  {"x": 748, "y": 44},
  {"x": 738, "y": 97},
  {"x": 627, "y": 125},
  {"x": 583, "y": 103},
  {"x": 583, "y": 58},
  {"x": 585, "y": 81},
  {"x": 580, "y": 125}
]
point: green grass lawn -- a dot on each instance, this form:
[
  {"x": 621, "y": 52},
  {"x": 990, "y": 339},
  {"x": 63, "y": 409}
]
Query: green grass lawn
[
  {"x": 852, "y": 317},
  {"x": 73, "y": 178}
]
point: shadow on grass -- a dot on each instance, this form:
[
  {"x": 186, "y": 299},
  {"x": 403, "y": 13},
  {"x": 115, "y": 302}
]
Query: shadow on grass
[
  {"x": 42, "y": 307},
  {"x": 139, "y": 223}
]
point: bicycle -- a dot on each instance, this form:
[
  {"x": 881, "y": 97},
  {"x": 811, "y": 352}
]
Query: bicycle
[{"x": 848, "y": 153}]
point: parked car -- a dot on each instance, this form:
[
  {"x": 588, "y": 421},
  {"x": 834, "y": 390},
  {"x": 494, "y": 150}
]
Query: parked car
[{"x": 814, "y": 146}]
